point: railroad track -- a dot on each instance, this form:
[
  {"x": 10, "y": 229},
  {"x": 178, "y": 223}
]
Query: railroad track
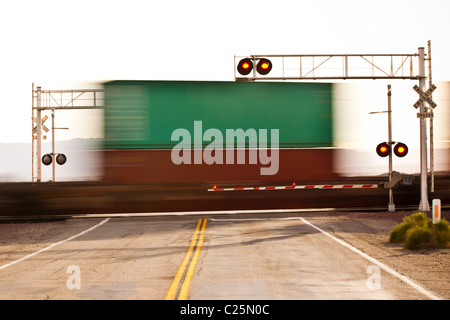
[{"x": 47, "y": 199}]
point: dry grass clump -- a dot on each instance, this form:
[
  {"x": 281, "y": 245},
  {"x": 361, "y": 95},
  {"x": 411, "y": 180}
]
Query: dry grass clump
[{"x": 417, "y": 231}]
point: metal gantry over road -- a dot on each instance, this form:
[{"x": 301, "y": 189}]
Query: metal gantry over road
[
  {"x": 52, "y": 100},
  {"x": 409, "y": 66}
]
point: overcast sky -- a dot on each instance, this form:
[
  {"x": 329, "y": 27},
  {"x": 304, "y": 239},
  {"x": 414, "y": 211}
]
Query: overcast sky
[{"x": 72, "y": 44}]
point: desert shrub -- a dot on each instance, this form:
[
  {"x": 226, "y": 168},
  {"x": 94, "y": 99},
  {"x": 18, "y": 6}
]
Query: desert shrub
[
  {"x": 417, "y": 231},
  {"x": 419, "y": 238},
  {"x": 442, "y": 233},
  {"x": 399, "y": 232}
]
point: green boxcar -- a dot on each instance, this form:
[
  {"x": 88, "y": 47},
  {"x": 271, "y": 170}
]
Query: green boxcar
[{"x": 144, "y": 114}]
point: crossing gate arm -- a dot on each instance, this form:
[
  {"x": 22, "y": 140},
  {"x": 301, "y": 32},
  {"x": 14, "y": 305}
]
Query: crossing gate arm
[{"x": 297, "y": 187}]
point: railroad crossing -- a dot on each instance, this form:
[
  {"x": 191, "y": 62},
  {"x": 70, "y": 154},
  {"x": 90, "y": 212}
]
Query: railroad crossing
[{"x": 342, "y": 67}]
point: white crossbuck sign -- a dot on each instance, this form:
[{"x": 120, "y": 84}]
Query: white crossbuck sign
[
  {"x": 425, "y": 96},
  {"x": 42, "y": 124}
]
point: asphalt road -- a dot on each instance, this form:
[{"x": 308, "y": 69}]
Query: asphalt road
[{"x": 263, "y": 256}]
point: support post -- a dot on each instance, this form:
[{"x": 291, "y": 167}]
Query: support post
[
  {"x": 53, "y": 145},
  {"x": 38, "y": 134},
  {"x": 424, "y": 205},
  {"x": 391, "y": 205},
  {"x": 431, "y": 122},
  {"x": 32, "y": 132}
]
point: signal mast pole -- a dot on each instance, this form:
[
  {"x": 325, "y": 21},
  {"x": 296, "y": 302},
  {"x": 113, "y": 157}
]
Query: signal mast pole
[
  {"x": 391, "y": 205},
  {"x": 424, "y": 205}
]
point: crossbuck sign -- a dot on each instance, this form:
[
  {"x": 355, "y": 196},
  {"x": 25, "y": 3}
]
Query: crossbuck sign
[{"x": 425, "y": 96}]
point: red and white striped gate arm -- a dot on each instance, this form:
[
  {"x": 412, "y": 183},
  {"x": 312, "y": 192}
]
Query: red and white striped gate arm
[{"x": 293, "y": 186}]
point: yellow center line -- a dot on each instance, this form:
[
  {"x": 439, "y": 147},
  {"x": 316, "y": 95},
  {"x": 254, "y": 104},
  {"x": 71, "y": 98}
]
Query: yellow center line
[
  {"x": 187, "y": 280},
  {"x": 174, "y": 286}
]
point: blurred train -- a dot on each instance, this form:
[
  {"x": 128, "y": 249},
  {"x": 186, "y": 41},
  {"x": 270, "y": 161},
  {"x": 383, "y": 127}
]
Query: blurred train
[
  {"x": 217, "y": 133},
  {"x": 167, "y": 144},
  {"x": 176, "y": 140}
]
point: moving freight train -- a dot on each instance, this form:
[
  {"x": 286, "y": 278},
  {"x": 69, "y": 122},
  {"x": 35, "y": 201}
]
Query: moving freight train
[
  {"x": 168, "y": 143},
  {"x": 210, "y": 133}
]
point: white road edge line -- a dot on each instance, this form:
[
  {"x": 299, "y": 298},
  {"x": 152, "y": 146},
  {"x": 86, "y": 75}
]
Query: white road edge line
[
  {"x": 403, "y": 278},
  {"x": 54, "y": 245}
]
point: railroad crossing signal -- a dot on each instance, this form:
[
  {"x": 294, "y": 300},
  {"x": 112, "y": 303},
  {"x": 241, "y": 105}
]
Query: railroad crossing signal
[
  {"x": 345, "y": 73},
  {"x": 264, "y": 66},
  {"x": 245, "y": 66},
  {"x": 61, "y": 159},
  {"x": 384, "y": 149},
  {"x": 400, "y": 149},
  {"x": 425, "y": 96},
  {"x": 47, "y": 159}
]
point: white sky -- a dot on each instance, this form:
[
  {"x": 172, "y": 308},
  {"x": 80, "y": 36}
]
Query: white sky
[{"x": 75, "y": 44}]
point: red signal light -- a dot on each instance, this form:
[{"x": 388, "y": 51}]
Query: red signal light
[
  {"x": 264, "y": 66},
  {"x": 245, "y": 66},
  {"x": 383, "y": 149},
  {"x": 400, "y": 149}
]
